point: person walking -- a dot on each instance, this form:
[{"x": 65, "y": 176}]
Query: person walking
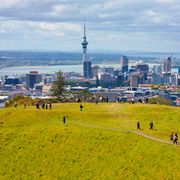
[
  {"x": 171, "y": 136},
  {"x": 50, "y": 106},
  {"x": 43, "y": 105},
  {"x": 138, "y": 125},
  {"x": 151, "y": 125},
  {"x": 175, "y": 138}
]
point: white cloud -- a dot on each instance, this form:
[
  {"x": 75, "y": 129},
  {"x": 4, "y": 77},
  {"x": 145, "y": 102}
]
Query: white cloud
[
  {"x": 107, "y": 20},
  {"x": 5, "y": 4}
]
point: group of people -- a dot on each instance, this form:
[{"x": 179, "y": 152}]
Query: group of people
[
  {"x": 44, "y": 106},
  {"x": 174, "y": 138},
  {"x": 151, "y": 125},
  {"x": 143, "y": 100}
]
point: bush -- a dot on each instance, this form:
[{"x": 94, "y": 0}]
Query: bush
[
  {"x": 159, "y": 100},
  {"x": 21, "y": 100}
]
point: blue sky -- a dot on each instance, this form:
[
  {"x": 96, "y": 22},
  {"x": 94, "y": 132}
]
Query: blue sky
[{"x": 118, "y": 25}]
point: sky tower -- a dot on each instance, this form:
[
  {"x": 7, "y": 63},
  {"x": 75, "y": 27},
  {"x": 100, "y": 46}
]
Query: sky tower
[
  {"x": 84, "y": 44},
  {"x": 87, "y": 69}
]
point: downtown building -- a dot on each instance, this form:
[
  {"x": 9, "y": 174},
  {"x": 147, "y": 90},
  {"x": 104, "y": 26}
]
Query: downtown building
[
  {"x": 124, "y": 64},
  {"x": 167, "y": 65},
  {"x": 33, "y": 78}
]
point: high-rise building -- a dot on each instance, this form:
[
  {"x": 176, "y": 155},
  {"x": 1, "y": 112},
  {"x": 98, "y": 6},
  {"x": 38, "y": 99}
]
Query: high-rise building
[
  {"x": 167, "y": 65},
  {"x": 87, "y": 69},
  {"x": 109, "y": 70},
  {"x": 142, "y": 68},
  {"x": 95, "y": 71},
  {"x": 33, "y": 78},
  {"x": 134, "y": 80},
  {"x": 124, "y": 64}
]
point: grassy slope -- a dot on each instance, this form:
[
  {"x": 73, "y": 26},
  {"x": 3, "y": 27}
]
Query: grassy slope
[{"x": 36, "y": 143}]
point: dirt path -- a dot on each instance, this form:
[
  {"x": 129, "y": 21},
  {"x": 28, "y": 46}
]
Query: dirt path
[{"x": 130, "y": 131}]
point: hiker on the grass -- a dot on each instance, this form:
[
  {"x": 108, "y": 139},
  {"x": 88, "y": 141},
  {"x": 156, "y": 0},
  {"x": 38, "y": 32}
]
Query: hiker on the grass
[
  {"x": 171, "y": 136},
  {"x": 151, "y": 125},
  {"x": 46, "y": 106},
  {"x": 107, "y": 99},
  {"x": 15, "y": 104},
  {"x": 64, "y": 119},
  {"x": 25, "y": 105},
  {"x": 132, "y": 100},
  {"x": 140, "y": 100},
  {"x": 37, "y": 105},
  {"x": 50, "y": 106},
  {"x": 138, "y": 125},
  {"x": 175, "y": 138},
  {"x": 43, "y": 105},
  {"x": 81, "y": 107}
]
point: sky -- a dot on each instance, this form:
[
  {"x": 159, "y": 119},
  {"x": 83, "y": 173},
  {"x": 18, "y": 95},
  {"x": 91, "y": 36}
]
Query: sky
[{"x": 112, "y": 25}]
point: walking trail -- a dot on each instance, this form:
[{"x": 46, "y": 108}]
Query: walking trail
[{"x": 130, "y": 131}]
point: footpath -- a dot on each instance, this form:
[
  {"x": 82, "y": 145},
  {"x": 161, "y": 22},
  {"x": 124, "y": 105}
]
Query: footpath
[{"x": 130, "y": 131}]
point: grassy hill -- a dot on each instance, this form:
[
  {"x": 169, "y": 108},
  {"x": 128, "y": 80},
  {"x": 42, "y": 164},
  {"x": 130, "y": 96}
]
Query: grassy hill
[{"x": 35, "y": 144}]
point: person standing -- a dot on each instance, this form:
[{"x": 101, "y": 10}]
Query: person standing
[
  {"x": 25, "y": 105},
  {"x": 81, "y": 107},
  {"x": 64, "y": 119},
  {"x": 15, "y": 104}
]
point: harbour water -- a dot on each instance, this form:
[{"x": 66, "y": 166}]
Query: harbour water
[
  {"x": 11, "y": 71},
  {"x": 1, "y": 105}
]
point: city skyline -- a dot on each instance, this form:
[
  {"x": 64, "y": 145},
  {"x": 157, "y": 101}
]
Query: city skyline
[{"x": 112, "y": 25}]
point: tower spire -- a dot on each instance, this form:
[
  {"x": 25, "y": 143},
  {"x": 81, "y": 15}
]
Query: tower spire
[
  {"x": 84, "y": 43},
  {"x": 84, "y": 27}
]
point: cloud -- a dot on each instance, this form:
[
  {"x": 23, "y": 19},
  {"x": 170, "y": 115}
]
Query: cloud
[{"x": 110, "y": 21}]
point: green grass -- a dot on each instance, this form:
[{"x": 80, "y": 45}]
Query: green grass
[{"x": 35, "y": 144}]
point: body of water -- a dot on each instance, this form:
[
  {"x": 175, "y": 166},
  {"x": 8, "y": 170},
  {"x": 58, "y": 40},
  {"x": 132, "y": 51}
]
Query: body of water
[{"x": 11, "y": 71}]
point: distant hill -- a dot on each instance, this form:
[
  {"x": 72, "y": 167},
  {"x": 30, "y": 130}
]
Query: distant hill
[{"x": 19, "y": 58}]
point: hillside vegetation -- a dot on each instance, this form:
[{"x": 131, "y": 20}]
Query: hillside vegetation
[{"x": 35, "y": 144}]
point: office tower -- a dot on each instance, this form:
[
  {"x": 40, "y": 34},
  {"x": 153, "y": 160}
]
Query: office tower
[
  {"x": 157, "y": 69},
  {"x": 95, "y": 71},
  {"x": 142, "y": 68},
  {"x": 167, "y": 65},
  {"x": 109, "y": 70},
  {"x": 134, "y": 80},
  {"x": 120, "y": 79},
  {"x": 33, "y": 78},
  {"x": 124, "y": 64}
]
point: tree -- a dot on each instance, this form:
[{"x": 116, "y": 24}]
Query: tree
[{"x": 58, "y": 86}]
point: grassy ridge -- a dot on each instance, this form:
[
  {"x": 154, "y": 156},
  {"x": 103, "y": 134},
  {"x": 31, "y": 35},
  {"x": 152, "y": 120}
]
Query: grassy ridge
[{"x": 36, "y": 144}]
